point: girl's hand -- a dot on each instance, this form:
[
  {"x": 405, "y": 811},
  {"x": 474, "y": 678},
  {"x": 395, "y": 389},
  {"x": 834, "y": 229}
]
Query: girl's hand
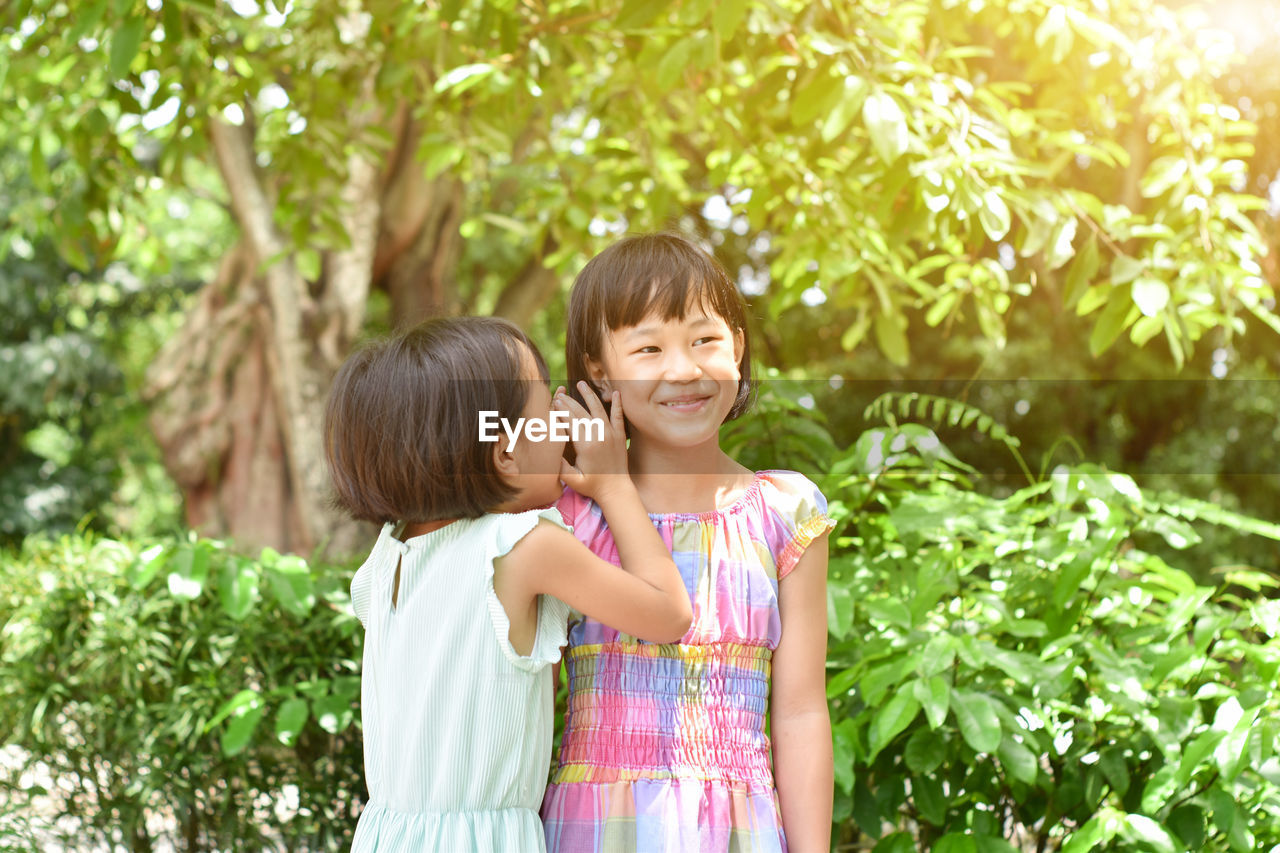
[{"x": 601, "y": 465}]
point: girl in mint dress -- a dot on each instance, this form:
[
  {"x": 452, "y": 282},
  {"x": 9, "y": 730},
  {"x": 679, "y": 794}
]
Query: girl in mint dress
[{"x": 465, "y": 595}]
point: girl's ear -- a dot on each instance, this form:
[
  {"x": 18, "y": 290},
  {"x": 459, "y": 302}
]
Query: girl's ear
[
  {"x": 739, "y": 344},
  {"x": 505, "y": 462},
  {"x": 595, "y": 373}
]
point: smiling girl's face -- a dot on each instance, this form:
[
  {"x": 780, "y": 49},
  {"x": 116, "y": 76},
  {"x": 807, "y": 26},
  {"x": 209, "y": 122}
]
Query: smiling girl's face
[{"x": 678, "y": 377}]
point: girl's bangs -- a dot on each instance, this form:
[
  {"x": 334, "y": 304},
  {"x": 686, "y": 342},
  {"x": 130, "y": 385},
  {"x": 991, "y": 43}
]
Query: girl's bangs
[{"x": 670, "y": 294}]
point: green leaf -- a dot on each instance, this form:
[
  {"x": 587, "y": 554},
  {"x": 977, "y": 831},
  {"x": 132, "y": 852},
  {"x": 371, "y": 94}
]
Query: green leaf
[
  {"x": 728, "y": 17},
  {"x": 693, "y": 13},
  {"x": 673, "y": 63},
  {"x": 1083, "y": 270},
  {"x": 242, "y": 700},
  {"x": 1145, "y": 329},
  {"x": 815, "y": 96},
  {"x": 846, "y": 108},
  {"x": 929, "y": 800},
  {"x": 842, "y": 683},
  {"x": 987, "y": 844},
  {"x": 839, "y": 610},
  {"x": 1111, "y": 322},
  {"x": 876, "y": 681},
  {"x": 1162, "y": 175},
  {"x": 888, "y": 611},
  {"x": 39, "y": 166},
  {"x": 891, "y": 336},
  {"x": 124, "y": 46},
  {"x": 88, "y": 17},
  {"x": 436, "y": 158},
  {"x": 1232, "y": 751},
  {"x": 1115, "y": 769},
  {"x": 895, "y": 716},
  {"x": 241, "y": 728},
  {"x": 189, "y": 568},
  {"x": 1043, "y": 217},
  {"x": 994, "y": 215},
  {"x": 933, "y": 695},
  {"x": 1053, "y": 30},
  {"x": 887, "y": 126},
  {"x": 976, "y": 716},
  {"x": 238, "y": 587},
  {"x": 1187, "y": 821},
  {"x": 925, "y": 751},
  {"x": 1151, "y": 295},
  {"x": 844, "y": 744},
  {"x": 638, "y": 13},
  {"x": 1059, "y": 249},
  {"x": 464, "y": 77},
  {"x": 1145, "y": 830},
  {"x": 149, "y": 562},
  {"x": 1224, "y": 809},
  {"x": 955, "y": 842},
  {"x": 308, "y": 263},
  {"x": 1099, "y": 829},
  {"x": 1020, "y": 762},
  {"x": 333, "y": 713},
  {"x": 290, "y": 581},
  {"x": 290, "y": 719},
  {"x": 896, "y": 842},
  {"x": 1159, "y": 788},
  {"x": 1070, "y": 577},
  {"x": 1175, "y": 532},
  {"x": 1125, "y": 269},
  {"x": 939, "y": 653}
]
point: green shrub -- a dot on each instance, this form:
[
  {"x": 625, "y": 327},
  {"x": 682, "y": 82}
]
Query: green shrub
[
  {"x": 1025, "y": 673},
  {"x": 1004, "y": 673},
  {"x": 181, "y": 685}
]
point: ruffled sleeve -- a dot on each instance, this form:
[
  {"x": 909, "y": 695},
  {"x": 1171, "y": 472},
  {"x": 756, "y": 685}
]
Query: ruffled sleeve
[
  {"x": 797, "y": 515},
  {"x": 363, "y": 582},
  {"x": 553, "y": 614}
]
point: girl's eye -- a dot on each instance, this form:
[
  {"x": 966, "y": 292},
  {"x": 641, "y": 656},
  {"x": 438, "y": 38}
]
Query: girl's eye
[
  {"x": 707, "y": 339},
  {"x": 647, "y": 349}
]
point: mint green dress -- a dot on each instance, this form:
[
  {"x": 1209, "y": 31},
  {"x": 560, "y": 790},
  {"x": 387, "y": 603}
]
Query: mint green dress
[{"x": 457, "y": 725}]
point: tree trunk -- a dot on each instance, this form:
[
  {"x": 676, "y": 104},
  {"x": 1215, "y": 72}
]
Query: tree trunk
[
  {"x": 238, "y": 394},
  {"x": 215, "y": 418}
]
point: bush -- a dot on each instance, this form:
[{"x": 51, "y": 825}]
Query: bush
[
  {"x": 183, "y": 692},
  {"x": 1025, "y": 673}
]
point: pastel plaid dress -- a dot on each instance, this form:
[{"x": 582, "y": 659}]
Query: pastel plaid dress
[{"x": 664, "y": 747}]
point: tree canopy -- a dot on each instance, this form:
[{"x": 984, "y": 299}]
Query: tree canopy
[{"x": 908, "y": 166}]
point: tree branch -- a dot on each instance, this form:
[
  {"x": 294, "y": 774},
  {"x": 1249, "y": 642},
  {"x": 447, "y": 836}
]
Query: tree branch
[{"x": 350, "y": 270}]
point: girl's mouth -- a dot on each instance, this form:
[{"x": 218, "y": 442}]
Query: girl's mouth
[{"x": 685, "y": 404}]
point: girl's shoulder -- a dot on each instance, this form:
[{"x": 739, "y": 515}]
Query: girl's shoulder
[
  {"x": 484, "y": 538},
  {"x": 790, "y": 492},
  {"x": 793, "y": 513}
]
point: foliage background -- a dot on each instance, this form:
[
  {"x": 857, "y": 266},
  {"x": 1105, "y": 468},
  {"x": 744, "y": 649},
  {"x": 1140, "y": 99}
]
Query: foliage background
[{"x": 1062, "y": 214}]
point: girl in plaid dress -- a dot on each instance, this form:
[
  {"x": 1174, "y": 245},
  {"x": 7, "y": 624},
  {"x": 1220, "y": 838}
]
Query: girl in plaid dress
[{"x": 664, "y": 745}]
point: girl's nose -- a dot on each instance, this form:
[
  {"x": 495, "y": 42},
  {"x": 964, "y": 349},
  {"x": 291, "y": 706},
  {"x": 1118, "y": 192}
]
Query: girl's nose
[{"x": 680, "y": 367}]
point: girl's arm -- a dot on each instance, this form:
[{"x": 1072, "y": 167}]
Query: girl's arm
[
  {"x": 800, "y": 722},
  {"x": 648, "y": 602},
  {"x": 647, "y": 599}
]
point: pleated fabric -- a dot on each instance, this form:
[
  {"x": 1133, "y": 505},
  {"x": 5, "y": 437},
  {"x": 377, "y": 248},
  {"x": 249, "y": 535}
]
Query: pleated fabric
[
  {"x": 664, "y": 745},
  {"x": 457, "y": 725}
]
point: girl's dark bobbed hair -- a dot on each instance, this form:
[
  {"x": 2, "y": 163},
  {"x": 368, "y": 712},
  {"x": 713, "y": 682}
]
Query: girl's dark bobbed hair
[
  {"x": 401, "y": 426},
  {"x": 651, "y": 274}
]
